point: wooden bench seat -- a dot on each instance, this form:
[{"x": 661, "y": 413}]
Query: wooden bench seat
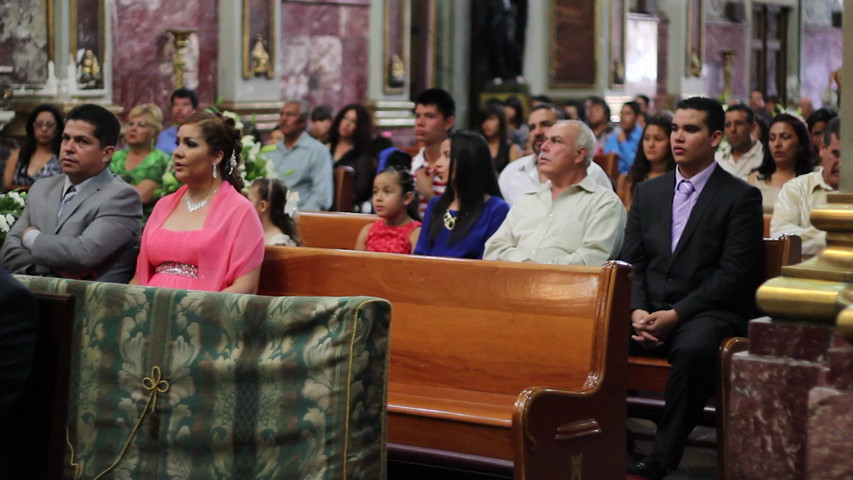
[
  {"x": 469, "y": 336},
  {"x": 332, "y": 229}
]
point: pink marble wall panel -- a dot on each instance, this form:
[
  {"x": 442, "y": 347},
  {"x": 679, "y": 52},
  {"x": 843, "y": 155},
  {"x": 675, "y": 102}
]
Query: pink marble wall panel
[
  {"x": 143, "y": 50},
  {"x": 789, "y": 340},
  {"x": 828, "y": 454},
  {"x": 790, "y": 404},
  {"x": 324, "y": 52},
  {"x": 820, "y": 56},
  {"x": 401, "y": 136},
  {"x": 721, "y": 36},
  {"x": 768, "y": 406}
]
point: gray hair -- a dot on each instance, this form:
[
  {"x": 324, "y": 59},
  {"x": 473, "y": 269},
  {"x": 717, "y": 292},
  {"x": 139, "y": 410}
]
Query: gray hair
[
  {"x": 304, "y": 108},
  {"x": 584, "y": 139}
]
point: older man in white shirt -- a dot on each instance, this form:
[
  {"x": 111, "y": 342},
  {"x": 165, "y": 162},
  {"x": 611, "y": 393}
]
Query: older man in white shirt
[
  {"x": 800, "y": 195},
  {"x": 569, "y": 221},
  {"x": 522, "y": 175}
]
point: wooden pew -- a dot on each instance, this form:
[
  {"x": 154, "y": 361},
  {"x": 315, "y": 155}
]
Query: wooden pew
[
  {"x": 649, "y": 373},
  {"x": 332, "y": 229},
  {"x": 468, "y": 336},
  {"x": 608, "y": 162},
  {"x": 42, "y": 413},
  {"x": 342, "y": 179}
]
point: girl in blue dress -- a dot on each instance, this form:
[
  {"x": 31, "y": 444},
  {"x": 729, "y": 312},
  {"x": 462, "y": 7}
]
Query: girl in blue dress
[{"x": 458, "y": 223}]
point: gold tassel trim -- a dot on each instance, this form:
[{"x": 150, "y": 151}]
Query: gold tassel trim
[{"x": 155, "y": 385}]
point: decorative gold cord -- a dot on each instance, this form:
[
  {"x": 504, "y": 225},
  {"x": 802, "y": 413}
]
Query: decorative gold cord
[{"x": 154, "y": 384}]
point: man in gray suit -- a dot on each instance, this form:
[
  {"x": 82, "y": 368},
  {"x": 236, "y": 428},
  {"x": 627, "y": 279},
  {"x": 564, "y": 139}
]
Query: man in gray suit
[{"x": 85, "y": 223}]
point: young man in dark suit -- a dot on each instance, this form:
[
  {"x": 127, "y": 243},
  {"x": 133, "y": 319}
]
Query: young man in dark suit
[{"x": 694, "y": 237}]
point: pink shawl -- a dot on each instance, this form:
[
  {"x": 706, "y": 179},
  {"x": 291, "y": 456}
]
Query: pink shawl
[{"x": 231, "y": 244}]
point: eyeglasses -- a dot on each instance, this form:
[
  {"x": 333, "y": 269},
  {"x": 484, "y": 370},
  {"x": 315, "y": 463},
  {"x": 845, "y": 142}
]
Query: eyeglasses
[
  {"x": 137, "y": 124},
  {"x": 44, "y": 125}
]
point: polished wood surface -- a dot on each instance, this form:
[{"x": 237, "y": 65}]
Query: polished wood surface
[
  {"x": 343, "y": 197},
  {"x": 559, "y": 433},
  {"x": 608, "y": 162},
  {"x": 468, "y": 335},
  {"x": 332, "y": 229},
  {"x": 729, "y": 347}
]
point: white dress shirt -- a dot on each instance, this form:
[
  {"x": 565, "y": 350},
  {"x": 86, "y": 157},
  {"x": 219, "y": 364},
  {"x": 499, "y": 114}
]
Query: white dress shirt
[
  {"x": 584, "y": 225},
  {"x": 748, "y": 162},
  {"x": 794, "y": 205}
]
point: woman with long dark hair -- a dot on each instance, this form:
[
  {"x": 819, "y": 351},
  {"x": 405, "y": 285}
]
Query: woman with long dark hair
[
  {"x": 349, "y": 141},
  {"x": 493, "y": 126},
  {"x": 654, "y": 157},
  {"x": 39, "y": 156},
  {"x": 788, "y": 153},
  {"x": 458, "y": 223},
  {"x": 517, "y": 122}
]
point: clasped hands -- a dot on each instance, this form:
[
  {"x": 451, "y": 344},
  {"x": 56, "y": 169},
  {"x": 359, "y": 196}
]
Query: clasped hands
[{"x": 653, "y": 328}]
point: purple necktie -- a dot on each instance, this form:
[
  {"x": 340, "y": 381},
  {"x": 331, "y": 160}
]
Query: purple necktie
[{"x": 681, "y": 206}]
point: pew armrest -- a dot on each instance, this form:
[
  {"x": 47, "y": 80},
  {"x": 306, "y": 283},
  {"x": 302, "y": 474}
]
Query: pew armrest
[{"x": 556, "y": 432}]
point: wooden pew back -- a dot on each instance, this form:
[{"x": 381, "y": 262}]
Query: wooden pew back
[
  {"x": 471, "y": 325},
  {"x": 331, "y": 229}
]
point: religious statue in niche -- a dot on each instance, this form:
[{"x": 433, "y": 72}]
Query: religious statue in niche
[
  {"x": 261, "y": 65},
  {"x": 695, "y": 64},
  {"x": 617, "y": 73},
  {"x": 396, "y": 72},
  {"x": 89, "y": 74},
  {"x": 502, "y": 29}
]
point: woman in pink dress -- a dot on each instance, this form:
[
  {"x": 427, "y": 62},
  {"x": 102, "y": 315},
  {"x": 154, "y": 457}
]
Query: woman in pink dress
[{"x": 205, "y": 236}]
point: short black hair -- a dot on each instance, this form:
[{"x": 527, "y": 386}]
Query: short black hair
[
  {"x": 321, "y": 112},
  {"x": 440, "y": 98},
  {"x": 740, "y": 107},
  {"x": 820, "y": 115},
  {"x": 833, "y": 127},
  {"x": 635, "y": 106},
  {"x": 184, "y": 93},
  {"x": 541, "y": 98},
  {"x": 596, "y": 100},
  {"x": 644, "y": 98},
  {"x": 715, "y": 117},
  {"x": 107, "y": 126}
]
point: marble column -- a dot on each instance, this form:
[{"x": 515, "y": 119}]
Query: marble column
[
  {"x": 388, "y": 101},
  {"x": 257, "y": 97}
]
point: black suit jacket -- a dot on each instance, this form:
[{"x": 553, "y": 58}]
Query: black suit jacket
[
  {"x": 718, "y": 262},
  {"x": 18, "y": 317}
]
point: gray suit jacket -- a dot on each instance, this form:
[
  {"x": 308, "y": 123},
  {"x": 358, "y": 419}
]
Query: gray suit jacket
[{"x": 97, "y": 236}]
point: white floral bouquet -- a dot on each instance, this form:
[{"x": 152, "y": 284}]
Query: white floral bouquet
[{"x": 11, "y": 206}]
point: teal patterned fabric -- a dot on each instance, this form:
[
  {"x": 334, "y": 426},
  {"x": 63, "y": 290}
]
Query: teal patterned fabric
[{"x": 251, "y": 387}]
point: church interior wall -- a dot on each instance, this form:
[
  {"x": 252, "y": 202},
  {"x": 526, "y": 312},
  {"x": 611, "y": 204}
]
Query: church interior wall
[
  {"x": 324, "y": 52},
  {"x": 143, "y": 50}
]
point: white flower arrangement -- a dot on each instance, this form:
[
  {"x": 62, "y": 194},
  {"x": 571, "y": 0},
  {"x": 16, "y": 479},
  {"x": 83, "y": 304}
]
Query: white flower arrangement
[{"x": 11, "y": 207}]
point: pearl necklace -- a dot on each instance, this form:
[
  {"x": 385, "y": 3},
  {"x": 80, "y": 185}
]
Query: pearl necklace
[{"x": 193, "y": 206}]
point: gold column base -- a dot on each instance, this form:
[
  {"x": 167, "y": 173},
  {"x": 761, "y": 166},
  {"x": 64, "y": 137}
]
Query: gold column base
[{"x": 819, "y": 290}]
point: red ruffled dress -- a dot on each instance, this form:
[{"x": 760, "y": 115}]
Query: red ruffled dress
[{"x": 388, "y": 238}]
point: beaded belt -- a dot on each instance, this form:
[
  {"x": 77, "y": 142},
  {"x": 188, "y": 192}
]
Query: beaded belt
[{"x": 180, "y": 269}]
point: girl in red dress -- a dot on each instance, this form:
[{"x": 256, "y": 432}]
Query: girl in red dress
[{"x": 394, "y": 200}]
